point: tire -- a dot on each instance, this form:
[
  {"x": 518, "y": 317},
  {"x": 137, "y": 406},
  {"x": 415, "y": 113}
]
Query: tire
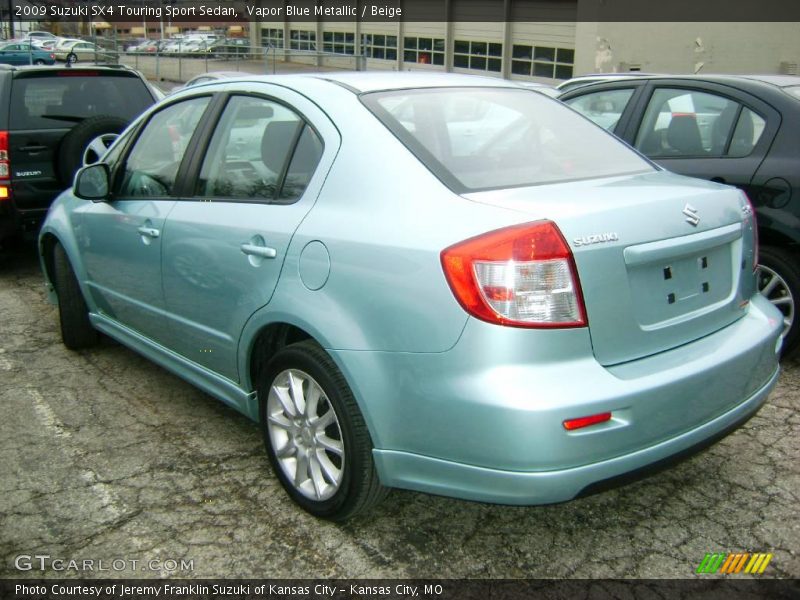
[
  {"x": 779, "y": 281},
  {"x": 72, "y": 58},
  {"x": 38, "y": 61},
  {"x": 87, "y": 134},
  {"x": 339, "y": 454},
  {"x": 73, "y": 315}
]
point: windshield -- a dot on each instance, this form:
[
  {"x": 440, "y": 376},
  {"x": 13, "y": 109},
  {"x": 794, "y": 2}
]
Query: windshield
[{"x": 487, "y": 138}]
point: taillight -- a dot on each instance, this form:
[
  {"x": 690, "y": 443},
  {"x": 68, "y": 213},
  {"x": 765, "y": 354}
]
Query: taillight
[
  {"x": 5, "y": 167},
  {"x": 755, "y": 231},
  {"x": 521, "y": 276}
]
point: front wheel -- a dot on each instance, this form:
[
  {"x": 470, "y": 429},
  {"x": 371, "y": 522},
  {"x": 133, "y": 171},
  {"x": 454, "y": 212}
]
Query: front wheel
[
  {"x": 72, "y": 58},
  {"x": 315, "y": 436},
  {"x": 779, "y": 282}
]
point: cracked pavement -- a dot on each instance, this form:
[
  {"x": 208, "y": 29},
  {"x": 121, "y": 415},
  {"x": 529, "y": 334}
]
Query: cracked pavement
[{"x": 104, "y": 455}]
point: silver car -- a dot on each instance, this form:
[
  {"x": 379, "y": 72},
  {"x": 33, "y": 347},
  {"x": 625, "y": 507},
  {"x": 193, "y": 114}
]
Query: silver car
[{"x": 434, "y": 282}]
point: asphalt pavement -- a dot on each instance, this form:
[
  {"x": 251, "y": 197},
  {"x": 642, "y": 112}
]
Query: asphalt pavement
[{"x": 107, "y": 458}]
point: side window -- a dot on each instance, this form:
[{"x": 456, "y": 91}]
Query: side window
[
  {"x": 304, "y": 163},
  {"x": 688, "y": 123},
  {"x": 748, "y": 131},
  {"x": 152, "y": 165},
  {"x": 604, "y": 108},
  {"x": 260, "y": 151}
]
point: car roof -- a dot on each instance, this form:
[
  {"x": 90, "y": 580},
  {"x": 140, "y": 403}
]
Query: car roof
[
  {"x": 778, "y": 80},
  {"x": 582, "y": 80},
  {"x": 361, "y": 81},
  {"x": 751, "y": 83}
]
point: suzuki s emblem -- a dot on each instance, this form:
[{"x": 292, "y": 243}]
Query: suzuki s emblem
[{"x": 692, "y": 217}]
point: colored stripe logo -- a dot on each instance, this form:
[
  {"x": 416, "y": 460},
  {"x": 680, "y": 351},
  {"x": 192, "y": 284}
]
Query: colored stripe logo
[{"x": 730, "y": 563}]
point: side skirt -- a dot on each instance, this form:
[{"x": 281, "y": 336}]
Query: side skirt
[{"x": 215, "y": 385}]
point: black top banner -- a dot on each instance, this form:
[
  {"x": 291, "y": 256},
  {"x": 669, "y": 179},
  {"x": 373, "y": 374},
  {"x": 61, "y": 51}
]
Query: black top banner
[{"x": 409, "y": 10}]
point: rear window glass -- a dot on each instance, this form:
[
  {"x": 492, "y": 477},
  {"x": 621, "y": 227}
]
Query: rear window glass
[
  {"x": 477, "y": 138},
  {"x": 61, "y": 101}
]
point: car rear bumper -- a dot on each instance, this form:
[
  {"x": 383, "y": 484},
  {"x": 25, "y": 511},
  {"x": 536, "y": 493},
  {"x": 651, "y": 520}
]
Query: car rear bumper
[
  {"x": 483, "y": 421},
  {"x": 447, "y": 478}
]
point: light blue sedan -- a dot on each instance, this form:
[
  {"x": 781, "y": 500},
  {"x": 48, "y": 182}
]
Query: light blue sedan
[
  {"x": 434, "y": 282},
  {"x": 24, "y": 53}
]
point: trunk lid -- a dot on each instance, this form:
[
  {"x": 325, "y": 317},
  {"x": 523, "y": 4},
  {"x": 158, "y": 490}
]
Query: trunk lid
[{"x": 662, "y": 259}]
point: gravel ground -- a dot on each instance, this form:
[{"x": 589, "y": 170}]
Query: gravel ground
[{"x": 105, "y": 456}]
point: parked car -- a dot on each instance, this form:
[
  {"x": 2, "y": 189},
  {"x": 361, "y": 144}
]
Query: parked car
[
  {"x": 513, "y": 320},
  {"x": 232, "y": 48},
  {"x": 131, "y": 44},
  {"x": 43, "y": 44},
  {"x": 739, "y": 130},
  {"x": 581, "y": 80},
  {"x": 55, "y": 119},
  {"x": 207, "y": 78},
  {"x": 73, "y": 51},
  {"x": 42, "y": 36},
  {"x": 24, "y": 53},
  {"x": 542, "y": 88}
]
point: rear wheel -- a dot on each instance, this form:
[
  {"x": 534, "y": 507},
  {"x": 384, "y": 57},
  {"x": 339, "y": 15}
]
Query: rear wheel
[
  {"x": 73, "y": 314},
  {"x": 779, "y": 282},
  {"x": 38, "y": 61},
  {"x": 315, "y": 435}
]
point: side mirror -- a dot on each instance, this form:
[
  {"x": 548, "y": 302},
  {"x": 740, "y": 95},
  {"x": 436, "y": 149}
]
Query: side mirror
[{"x": 92, "y": 182}]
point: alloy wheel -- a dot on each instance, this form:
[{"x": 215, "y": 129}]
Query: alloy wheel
[
  {"x": 775, "y": 289},
  {"x": 305, "y": 435}
]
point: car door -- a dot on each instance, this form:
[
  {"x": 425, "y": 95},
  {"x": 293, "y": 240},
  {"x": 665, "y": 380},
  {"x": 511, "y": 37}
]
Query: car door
[
  {"x": 702, "y": 129},
  {"x": 120, "y": 239},
  {"x": 84, "y": 51},
  {"x": 225, "y": 242},
  {"x": 12, "y": 55}
]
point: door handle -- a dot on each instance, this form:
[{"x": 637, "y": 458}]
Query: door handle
[
  {"x": 149, "y": 232},
  {"x": 32, "y": 148},
  {"x": 262, "y": 251}
]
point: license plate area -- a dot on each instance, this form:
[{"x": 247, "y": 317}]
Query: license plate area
[{"x": 674, "y": 289}]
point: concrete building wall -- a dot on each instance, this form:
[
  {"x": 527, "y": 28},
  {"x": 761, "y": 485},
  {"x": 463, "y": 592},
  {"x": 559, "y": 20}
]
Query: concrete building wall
[
  {"x": 551, "y": 51},
  {"x": 686, "y": 47}
]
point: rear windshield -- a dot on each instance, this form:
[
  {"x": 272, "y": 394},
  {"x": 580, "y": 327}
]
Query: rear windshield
[
  {"x": 60, "y": 101},
  {"x": 487, "y": 138}
]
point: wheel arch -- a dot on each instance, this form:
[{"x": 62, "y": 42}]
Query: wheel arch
[
  {"x": 47, "y": 244},
  {"x": 268, "y": 332},
  {"x": 267, "y": 342},
  {"x": 55, "y": 232}
]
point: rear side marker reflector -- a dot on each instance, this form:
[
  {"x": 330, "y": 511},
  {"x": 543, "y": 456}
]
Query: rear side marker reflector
[{"x": 581, "y": 422}]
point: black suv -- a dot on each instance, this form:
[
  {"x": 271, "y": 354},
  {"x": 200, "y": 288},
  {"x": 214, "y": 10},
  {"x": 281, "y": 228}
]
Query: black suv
[{"x": 57, "y": 118}]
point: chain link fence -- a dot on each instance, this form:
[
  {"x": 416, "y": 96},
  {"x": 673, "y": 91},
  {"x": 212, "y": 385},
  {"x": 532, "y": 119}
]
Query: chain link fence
[{"x": 178, "y": 62}]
